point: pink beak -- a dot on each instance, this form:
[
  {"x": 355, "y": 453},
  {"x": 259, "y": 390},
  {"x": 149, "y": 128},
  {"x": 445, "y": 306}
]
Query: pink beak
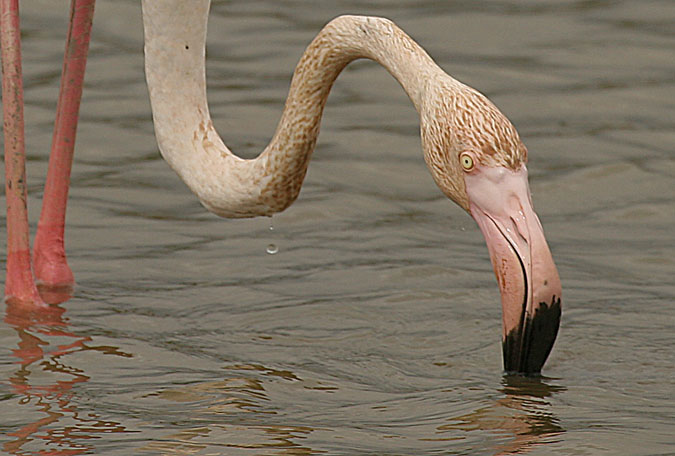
[{"x": 500, "y": 202}]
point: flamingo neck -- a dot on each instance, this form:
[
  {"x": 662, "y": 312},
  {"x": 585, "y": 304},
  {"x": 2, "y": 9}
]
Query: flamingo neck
[{"x": 175, "y": 37}]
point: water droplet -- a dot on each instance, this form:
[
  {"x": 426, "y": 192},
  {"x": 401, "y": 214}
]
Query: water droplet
[
  {"x": 271, "y": 224},
  {"x": 272, "y": 249}
]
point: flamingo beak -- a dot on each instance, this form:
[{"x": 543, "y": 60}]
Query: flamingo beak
[{"x": 500, "y": 202}]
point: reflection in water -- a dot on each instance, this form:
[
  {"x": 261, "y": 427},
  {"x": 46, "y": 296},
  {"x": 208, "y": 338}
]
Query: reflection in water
[
  {"x": 522, "y": 418},
  {"x": 262, "y": 439},
  {"x": 236, "y": 409},
  {"x": 44, "y": 340}
]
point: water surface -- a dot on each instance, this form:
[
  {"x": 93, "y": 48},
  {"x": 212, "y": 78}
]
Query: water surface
[{"x": 375, "y": 329}]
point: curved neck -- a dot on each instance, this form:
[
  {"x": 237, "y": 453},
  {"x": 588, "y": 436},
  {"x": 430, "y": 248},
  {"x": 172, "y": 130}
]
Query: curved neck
[
  {"x": 348, "y": 38},
  {"x": 175, "y": 36}
]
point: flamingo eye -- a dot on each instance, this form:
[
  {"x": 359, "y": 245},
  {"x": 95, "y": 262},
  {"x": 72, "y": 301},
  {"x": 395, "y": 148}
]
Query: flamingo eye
[{"x": 467, "y": 161}]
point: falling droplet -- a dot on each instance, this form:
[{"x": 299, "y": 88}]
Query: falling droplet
[{"x": 272, "y": 247}]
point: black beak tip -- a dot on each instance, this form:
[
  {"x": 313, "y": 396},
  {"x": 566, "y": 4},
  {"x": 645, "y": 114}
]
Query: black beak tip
[{"x": 527, "y": 347}]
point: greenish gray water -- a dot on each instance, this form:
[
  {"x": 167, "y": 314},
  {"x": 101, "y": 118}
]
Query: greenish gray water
[{"x": 375, "y": 328}]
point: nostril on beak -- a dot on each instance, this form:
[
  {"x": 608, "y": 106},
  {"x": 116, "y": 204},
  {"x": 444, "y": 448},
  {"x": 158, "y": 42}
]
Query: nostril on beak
[{"x": 520, "y": 229}]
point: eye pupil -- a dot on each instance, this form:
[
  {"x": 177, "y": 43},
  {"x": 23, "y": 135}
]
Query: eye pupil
[{"x": 467, "y": 162}]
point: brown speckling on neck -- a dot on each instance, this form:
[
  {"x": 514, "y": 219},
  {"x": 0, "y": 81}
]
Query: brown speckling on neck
[
  {"x": 481, "y": 128},
  {"x": 454, "y": 117}
]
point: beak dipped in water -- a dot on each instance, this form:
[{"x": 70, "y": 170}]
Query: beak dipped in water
[{"x": 500, "y": 202}]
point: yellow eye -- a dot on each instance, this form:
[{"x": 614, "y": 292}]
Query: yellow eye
[{"x": 467, "y": 162}]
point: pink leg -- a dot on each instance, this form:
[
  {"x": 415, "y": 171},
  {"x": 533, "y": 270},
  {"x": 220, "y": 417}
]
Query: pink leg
[
  {"x": 19, "y": 284},
  {"x": 51, "y": 267}
]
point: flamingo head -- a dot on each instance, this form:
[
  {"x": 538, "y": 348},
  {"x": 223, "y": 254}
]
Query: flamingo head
[{"x": 478, "y": 160}]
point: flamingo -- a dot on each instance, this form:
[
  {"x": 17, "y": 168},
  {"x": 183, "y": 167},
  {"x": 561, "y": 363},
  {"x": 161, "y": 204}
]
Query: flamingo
[{"x": 472, "y": 150}]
